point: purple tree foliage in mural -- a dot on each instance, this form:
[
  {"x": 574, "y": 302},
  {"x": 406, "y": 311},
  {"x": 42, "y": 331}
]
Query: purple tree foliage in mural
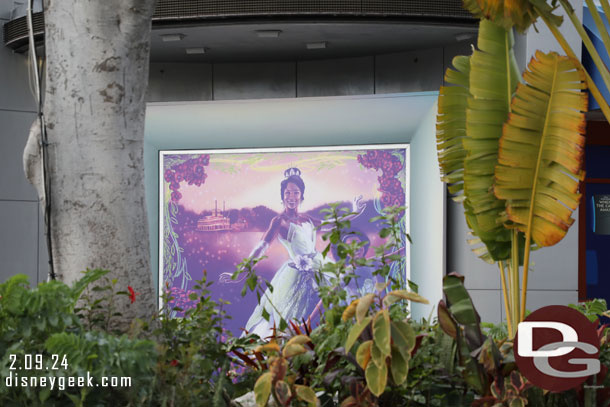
[
  {"x": 392, "y": 192},
  {"x": 181, "y": 298},
  {"x": 191, "y": 171}
]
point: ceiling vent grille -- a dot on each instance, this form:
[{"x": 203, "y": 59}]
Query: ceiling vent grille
[
  {"x": 168, "y": 11},
  {"x": 444, "y": 8},
  {"x": 193, "y": 9},
  {"x": 16, "y": 31}
]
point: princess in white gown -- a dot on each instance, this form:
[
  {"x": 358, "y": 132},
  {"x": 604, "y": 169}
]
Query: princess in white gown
[{"x": 294, "y": 293}]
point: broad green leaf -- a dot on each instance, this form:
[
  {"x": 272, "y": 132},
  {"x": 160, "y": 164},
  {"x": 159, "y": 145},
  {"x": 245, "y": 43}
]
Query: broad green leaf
[
  {"x": 278, "y": 367},
  {"x": 396, "y": 295},
  {"x": 542, "y": 149},
  {"x": 451, "y": 126},
  {"x": 355, "y": 332},
  {"x": 382, "y": 286},
  {"x": 399, "y": 366},
  {"x": 381, "y": 331},
  {"x": 362, "y": 308},
  {"x": 306, "y": 394},
  {"x": 350, "y": 310},
  {"x": 493, "y": 79},
  {"x": 298, "y": 339},
  {"x": 461, "y": 307},
  {"x": 463, "y": 310},
  {"x": 377, "y": 355},
  {"x": 376, "y": 378},
  {"x": 349, "y": 402},
  {"x": 363, "y": 354},
  {"x": 262, "y": 389},
  {"x": 445, "y": 320},
  {"x": 403, "y": 337},
  {"x": 293, "y": 349},
  {"x": 282, "y": 392},
  {"x": 272, "y": 346}
]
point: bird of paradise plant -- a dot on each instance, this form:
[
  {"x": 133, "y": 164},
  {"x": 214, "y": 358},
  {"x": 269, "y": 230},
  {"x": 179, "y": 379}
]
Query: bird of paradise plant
[{"x": 511, "y": 148}]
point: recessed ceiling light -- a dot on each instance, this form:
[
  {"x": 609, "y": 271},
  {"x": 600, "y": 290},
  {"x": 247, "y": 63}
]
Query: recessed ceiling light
[
  {"x": 464, "y": 36},
  {"x": 268, "y": 33},
  {"x": 316, "y": 45},
  {"x": 172, "y": 37},
  {"x": 194, "y": 51}
]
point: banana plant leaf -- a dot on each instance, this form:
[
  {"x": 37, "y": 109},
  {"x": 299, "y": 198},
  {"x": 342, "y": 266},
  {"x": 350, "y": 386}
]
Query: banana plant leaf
[
  {"x": 468, "y": 335},
  {"x": 541, "y": 149},
  {"x": 493, "y": 79},
  {"x": 451, "y": 126},
  {"x": 509, "y": 13}
]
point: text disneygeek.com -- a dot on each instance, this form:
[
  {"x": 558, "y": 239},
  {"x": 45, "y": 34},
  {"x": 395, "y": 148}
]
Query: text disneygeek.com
[{"x": 63, "y": 382}]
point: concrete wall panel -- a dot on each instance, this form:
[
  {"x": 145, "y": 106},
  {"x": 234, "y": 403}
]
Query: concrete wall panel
[
  {"x": 13, "y": 136},
  {"x": 340, "y": 77},
  {"x": 15, "y": 94},
  {"x": 19, "y": 239},
  {"x": 179, "y": 82},
  {"x": 254, "y": 81},
  {"x": 414, "y": 71},
  {"x": 488, "y": 304}
]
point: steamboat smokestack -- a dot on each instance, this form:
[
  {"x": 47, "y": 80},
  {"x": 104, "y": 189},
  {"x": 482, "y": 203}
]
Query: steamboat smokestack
[{"x": 215, "y": 207}]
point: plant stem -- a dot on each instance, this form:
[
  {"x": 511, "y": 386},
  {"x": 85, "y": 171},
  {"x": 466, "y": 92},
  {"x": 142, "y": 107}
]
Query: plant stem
[
  {"x": 590, "y": 83},
  {"x": 606, "y": 7},
  {"x": 590, "y": 396},
  {"x": 530, "y": 215},
  {"x": 514, "y": 276},
  {"x": 601, "y": 27},
  {"x": 505, "y": 295},
  {"x": 603, "y": 70}
]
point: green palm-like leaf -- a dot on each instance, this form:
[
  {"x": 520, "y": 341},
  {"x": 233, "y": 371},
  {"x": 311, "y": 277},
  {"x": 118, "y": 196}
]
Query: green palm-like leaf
[
  {"x": 493, "y": 79},
  {"x": 541, "y": 150},
  {"x": 451, "y": 125}
]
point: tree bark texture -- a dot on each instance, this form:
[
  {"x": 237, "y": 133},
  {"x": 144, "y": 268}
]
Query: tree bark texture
[{"x": 97, "y": 57}]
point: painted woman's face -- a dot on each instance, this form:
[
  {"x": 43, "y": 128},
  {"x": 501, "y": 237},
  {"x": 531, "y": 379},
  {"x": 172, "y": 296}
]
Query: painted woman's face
[{"x": 292, "y": 196}]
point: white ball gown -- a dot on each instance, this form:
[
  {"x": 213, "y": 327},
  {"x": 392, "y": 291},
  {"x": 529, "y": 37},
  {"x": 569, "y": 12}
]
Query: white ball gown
[{"x": 294, "y": 294}]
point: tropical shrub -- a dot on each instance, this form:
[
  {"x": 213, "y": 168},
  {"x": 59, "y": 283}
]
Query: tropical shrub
[
  {"x": 41, "y": 336},
  {"x": 365, "y": 350},
  {"x": 193, "y": 366},
  {"x": 488, "y": 363}
]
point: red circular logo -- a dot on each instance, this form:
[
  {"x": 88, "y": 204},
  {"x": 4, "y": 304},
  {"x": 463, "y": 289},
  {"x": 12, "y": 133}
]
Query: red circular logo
[{"x": 556, "y": 348}]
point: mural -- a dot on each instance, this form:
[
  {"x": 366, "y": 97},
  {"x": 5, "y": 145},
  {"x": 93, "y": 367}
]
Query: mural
[{"x": 218, "y": 207}]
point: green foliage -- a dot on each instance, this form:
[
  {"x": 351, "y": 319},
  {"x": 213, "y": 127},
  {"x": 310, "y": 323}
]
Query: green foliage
[
  {"x": 592, "y": 309},
  {"x": 487, "y": 363},
  {"x": 363, "y": 353},
  {"x": 97, "y": 306},
  {"x": 502, "y": 144},
  {"x": 41, "y": 323},
  {"x": 192, "y": 365},
  {"x": 278, "y": 380}
]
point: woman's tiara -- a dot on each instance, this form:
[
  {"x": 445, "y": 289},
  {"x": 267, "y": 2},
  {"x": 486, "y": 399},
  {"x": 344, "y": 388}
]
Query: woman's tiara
[{"x": 292, "y": 171}]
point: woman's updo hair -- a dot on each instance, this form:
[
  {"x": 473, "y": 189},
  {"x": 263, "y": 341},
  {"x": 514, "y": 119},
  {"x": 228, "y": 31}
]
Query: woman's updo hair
[{"x": 292, "y": 175}]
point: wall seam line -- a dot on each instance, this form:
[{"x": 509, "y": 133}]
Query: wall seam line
[{"x": 17, "y": 111}]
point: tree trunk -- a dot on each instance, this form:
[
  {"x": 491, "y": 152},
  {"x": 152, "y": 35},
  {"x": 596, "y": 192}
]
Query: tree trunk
[{"x": 97, "y": 57}]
